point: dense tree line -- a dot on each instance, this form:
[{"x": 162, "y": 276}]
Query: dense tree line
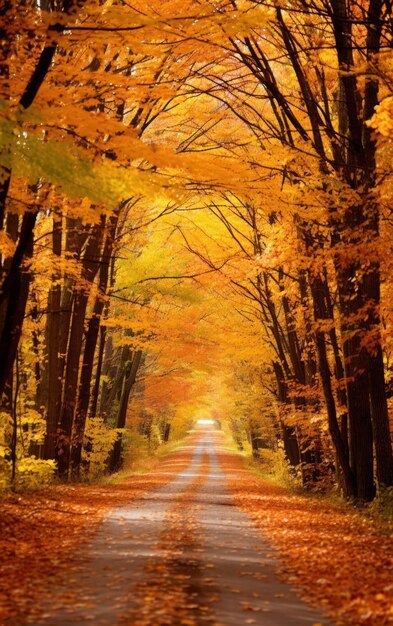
[{"x": 113, "y": 135}]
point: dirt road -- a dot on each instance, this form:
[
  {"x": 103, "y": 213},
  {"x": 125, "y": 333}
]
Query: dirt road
[{"x": 183, "y": 554}]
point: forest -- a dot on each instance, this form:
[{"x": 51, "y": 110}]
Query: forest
[{"x": 195, "y": 214}]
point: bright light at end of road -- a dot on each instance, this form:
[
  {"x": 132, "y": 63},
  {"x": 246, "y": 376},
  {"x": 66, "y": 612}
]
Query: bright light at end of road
[{"x": 205, "y": 422}]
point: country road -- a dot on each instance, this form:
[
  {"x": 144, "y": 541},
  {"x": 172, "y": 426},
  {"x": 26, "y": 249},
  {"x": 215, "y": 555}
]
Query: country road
[{"x": 182, "y": 554}]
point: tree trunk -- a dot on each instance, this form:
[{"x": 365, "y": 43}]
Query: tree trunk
[
  {"x": 81, "y": 297},
  {"x": 98, "y": 372},
  {"x": 334, "y": 428},
  {"x": 15, "y": 299},
  {"x": 70, "y": 384},
  {"x": 376, "y": 373},
  {"x": 88, "y": 362},
  {"x": 50, "y": 391},
  {"x": 60, "y": 302},
  {"x": 380, "y": 419},
  {"x": 130, "y": 373},
  {"x": 289, "y": 438}
]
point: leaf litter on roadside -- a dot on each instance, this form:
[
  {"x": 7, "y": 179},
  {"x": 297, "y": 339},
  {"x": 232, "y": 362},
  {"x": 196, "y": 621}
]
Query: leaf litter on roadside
[{"x": 339, "y": 560}]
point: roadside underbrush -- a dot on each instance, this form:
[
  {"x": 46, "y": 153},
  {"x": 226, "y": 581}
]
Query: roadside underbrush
[
  {"x": 272, "y": 466},
  {"x": 140, "y": 455}
]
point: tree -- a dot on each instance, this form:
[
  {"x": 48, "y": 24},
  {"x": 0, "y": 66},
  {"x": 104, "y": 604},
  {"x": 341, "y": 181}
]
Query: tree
[{"x": 152, "y": 120}]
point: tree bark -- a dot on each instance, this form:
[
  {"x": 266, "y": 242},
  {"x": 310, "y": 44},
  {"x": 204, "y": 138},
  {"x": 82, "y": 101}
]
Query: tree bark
[
  {"x": 50, "y": 390},
  {"x": 380, "y": 419},
  {"x": 88, "y": 360},
  {"x": 288, "y": 433},
  {"x": 130, "y": 373},
  {"x": 17, "y": 293},
  {"x": 81, "y": 297}
]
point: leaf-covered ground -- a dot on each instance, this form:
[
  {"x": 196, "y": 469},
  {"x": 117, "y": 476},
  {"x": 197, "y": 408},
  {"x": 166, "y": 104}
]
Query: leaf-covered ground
[
  {"x": 340, "y": 560},
  {"x": 40, "y": 533}
]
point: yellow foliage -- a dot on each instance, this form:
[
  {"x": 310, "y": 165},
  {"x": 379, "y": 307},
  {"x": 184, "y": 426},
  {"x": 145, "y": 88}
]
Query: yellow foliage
[
  {"x": 99, "y": 441},
  {"x": 32, "y": 473}
]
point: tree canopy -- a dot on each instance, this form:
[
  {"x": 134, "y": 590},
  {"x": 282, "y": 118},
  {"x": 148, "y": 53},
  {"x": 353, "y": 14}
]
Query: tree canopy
[{"x": 195, "y": 221}]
